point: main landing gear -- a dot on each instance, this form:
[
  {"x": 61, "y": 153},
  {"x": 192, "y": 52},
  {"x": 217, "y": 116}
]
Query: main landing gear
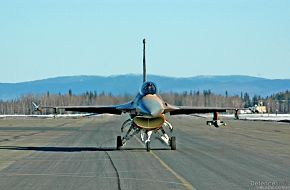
[
  {"x": 119, "y": 142},
  {"x": 173, "y": 143},
  {"x": 145, "y": 135}
]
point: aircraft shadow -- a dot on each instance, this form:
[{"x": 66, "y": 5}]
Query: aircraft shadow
[{"x": 72, "y": 149}]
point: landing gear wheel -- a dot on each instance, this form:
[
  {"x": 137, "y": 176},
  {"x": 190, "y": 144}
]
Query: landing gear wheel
[
  {"x": 173, "y": 143},
  {"x": 119, "y": 142},
  {"x": 148, "y": 146}
]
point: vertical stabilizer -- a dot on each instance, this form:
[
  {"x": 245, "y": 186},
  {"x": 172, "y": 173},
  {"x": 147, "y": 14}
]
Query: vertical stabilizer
[{"x": 144, "y": 62}]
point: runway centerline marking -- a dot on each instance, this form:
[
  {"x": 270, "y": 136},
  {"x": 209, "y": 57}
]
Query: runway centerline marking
[{"x": 183, "y": 181}]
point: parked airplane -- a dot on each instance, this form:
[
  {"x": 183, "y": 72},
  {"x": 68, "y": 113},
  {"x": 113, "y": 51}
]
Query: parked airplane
[{"x": 147, "y": 113}]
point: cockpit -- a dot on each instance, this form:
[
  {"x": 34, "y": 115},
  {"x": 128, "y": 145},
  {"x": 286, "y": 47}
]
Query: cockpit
[{"x": 148, "y": 88}]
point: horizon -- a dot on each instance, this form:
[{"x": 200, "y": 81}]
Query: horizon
[
  {"x": 126, "y": 84},
  {"x": 139, "y": 74},
  {"x": 46, "y": 39}
]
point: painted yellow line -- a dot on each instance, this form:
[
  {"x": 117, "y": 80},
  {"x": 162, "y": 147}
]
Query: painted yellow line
[{"x": 183, "y": 181}]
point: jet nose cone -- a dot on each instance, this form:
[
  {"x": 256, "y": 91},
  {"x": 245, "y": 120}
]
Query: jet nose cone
[{"x": 151, "y": 105}]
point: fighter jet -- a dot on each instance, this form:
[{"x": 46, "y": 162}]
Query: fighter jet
[{"x": 146, "y": 114}]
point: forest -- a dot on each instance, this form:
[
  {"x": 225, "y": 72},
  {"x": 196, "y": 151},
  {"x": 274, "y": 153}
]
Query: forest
[{"x": 276, "y": 103}]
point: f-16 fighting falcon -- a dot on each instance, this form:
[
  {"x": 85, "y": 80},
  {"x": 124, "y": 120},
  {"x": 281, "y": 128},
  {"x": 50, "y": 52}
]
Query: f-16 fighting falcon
[{"x": 147, "y": 114}]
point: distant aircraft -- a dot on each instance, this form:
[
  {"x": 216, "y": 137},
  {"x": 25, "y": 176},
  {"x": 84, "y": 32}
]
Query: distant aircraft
[{"x": 147, "y": 113}]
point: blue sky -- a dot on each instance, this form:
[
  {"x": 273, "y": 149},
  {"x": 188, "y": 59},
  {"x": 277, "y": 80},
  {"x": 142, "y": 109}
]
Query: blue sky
[{"x": 49, "y": 38}]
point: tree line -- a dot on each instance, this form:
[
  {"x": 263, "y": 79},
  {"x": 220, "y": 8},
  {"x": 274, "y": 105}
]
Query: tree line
[{"x": 279, "y": 102}]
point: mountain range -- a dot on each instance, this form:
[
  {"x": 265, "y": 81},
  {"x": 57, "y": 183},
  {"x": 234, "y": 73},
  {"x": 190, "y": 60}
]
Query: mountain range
[{"x": 130, "y": 84}]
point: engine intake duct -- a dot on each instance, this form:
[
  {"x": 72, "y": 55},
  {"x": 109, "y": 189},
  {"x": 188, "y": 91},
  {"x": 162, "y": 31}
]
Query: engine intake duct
[{"x": 148, "y": 123}]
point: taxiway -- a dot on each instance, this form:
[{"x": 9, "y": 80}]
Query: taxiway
[{"x": 81, "y": 154}]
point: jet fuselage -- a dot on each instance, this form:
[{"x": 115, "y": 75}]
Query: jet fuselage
[{"x": 149, "y": 108}]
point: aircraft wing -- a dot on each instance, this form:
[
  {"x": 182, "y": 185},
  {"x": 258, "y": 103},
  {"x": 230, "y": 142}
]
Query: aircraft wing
[
  {"x": 93, "y": 109},
  {"x": 112, "y": 109},
  {"x": 178, "y": 110}
]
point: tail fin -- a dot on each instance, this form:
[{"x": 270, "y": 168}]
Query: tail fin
[{"x": 144, "y": 62}]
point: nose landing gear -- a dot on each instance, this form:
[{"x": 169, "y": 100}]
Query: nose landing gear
[{"x": 173, "y": 143}]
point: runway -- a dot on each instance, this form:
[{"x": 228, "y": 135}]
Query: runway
[{"x": 81, "y": 154}]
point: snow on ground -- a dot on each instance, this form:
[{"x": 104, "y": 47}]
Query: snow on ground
[
  {"x": 266, "y": 117},
  {"x": 44, "y": 116},
  {"x": 252, "y": 117}
]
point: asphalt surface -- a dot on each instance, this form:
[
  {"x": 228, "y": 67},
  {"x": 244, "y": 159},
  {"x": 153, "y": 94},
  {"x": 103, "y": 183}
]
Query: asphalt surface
[{"x": 81, "y": 154}]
